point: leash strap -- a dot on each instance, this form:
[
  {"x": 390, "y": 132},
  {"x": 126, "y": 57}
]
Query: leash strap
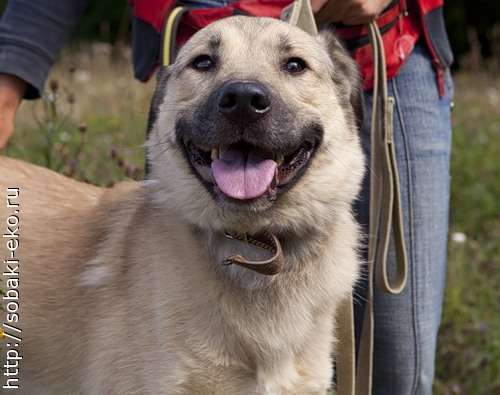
[
  {"x": 385, "y": 210},
  {"x": 345, "y": 366},
  {"x": 385, "y": 214},
  {"x": 168, "y": 49}
]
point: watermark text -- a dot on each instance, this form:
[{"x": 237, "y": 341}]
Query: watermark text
[{"x": 10, "y": 330}]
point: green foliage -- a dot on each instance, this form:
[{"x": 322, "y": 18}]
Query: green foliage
[
  {"x": 476, "y": 186},
  {"x": 483, "y": 16},
  {"x": 95, "y": 136},
  {"x": 469, "y": 346},
  {"x": 105, "y": 21}
]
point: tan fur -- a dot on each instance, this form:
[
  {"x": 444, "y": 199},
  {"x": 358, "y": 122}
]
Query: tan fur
[{"x": 122, "y": 291}]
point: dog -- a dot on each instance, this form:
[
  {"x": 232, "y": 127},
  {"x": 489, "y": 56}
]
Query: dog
[{"x": 222, "y": 273}]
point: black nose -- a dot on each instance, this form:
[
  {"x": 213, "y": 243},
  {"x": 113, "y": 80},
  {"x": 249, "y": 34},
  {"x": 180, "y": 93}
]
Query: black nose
[{"x": 244, "y": 101}]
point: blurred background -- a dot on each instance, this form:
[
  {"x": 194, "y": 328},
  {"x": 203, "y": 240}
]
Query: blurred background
[{"x": 90, "y": 125}]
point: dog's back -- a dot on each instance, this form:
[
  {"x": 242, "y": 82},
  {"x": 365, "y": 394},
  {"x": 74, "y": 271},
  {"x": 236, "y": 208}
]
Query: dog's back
[{"x": 52, "y": 251}]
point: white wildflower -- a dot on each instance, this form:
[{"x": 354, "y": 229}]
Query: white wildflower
[{"x": 458, "y": 237}]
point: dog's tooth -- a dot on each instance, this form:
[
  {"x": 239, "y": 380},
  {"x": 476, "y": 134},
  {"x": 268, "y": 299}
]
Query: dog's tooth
[
  {"x": 279, "y": 159},
  {"x": 215, "y": 153}
]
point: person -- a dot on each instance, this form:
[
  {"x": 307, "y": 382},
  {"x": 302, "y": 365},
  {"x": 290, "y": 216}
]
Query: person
[{"x": 418, "y": 60}]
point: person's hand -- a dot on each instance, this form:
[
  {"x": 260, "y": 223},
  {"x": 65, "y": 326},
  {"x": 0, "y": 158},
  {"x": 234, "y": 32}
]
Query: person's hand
[
  {"x": 350, "y": 12},
  {"x": 317, "y": 5},
  {"x": 11, "y": 93}
]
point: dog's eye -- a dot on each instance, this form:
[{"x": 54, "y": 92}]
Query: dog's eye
[
  {"x": 203, "y": 63},
  {"x": 295, "y": 65}
]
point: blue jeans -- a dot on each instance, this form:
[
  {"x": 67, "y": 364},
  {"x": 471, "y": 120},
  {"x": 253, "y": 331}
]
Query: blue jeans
[{"x": 406, "y": 325}]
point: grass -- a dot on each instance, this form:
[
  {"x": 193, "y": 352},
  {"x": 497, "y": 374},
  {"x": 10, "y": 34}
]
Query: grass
[
  {"x": 98, "y": 128},
  {"x": 92, "y": 121},
  {"x": 468, "y": 360}
]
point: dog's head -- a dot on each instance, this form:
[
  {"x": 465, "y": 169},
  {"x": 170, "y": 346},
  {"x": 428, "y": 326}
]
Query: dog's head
[{"x": 255, "y": 127}]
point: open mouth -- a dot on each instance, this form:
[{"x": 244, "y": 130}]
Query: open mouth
[{"x": 244, "y": 172}]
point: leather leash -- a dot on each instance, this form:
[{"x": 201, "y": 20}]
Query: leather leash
[
  {"x": 385, "y": 210},
  {"x": 385, "y": 213}
]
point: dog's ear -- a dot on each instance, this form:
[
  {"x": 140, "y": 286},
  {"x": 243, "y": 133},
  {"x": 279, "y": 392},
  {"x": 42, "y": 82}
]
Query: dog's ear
[
  {"x": 345, "y": 73},
  {"x": 159, "y": 93}
]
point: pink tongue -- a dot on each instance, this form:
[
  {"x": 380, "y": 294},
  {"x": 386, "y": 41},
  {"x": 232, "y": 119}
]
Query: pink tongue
[{"x": 242, "y": 177}]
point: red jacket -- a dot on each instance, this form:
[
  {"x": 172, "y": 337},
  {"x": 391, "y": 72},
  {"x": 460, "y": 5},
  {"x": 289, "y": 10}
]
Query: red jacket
[{"x": 402, "y": 24}]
